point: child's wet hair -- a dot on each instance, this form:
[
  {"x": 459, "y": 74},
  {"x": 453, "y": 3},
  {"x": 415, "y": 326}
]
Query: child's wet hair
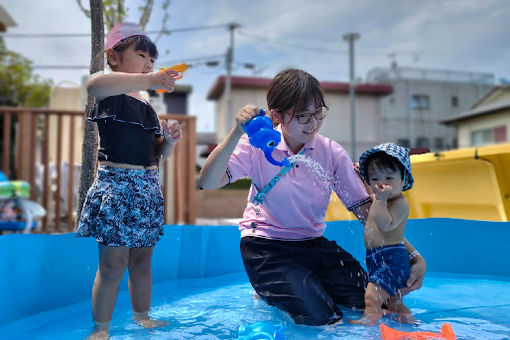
[
  {"x": 294, "y": 89},
  {"x": 142, "y": 43},
  {"x": 381, "y": 160}
]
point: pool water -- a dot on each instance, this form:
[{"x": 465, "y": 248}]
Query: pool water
[{"x": 477, "y": 307}]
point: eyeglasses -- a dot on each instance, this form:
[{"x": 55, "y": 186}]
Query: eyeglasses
[{"x": 304, "y": 117}]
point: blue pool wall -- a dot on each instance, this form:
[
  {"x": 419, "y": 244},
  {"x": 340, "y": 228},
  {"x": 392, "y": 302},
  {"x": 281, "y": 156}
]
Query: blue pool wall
[{"x": 43, "y": 272}]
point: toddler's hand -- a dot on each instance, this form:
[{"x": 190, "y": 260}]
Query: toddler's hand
[
  {"x": 171, "y": 131},
  {"x": 383, "y": 192},
  {"x": 163, "y": 80},
  {"x": 245, "y": 115}
]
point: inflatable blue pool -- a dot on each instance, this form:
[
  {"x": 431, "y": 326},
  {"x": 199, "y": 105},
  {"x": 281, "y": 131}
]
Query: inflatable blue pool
[{"x": 201, "y": 288}]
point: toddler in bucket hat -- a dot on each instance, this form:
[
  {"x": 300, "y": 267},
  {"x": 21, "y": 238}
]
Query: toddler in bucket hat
[
  {"x": 121, "y": 31},
  {"x": 387, "y": 170},
  {"x": 399, "y": 153}
]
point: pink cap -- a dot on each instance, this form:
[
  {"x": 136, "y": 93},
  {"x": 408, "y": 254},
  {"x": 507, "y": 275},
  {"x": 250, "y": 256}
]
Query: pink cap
[{"x": 121, "y": 31}]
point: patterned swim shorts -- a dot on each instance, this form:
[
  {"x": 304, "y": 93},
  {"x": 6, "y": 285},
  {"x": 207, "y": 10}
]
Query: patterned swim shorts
[
  {"x": 389, "y": 267},
  {"x": 123, "y": 208}
]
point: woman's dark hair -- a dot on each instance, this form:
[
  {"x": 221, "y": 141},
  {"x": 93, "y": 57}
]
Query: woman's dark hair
[
  {"x": 381, "y": 160},
  {"x": 142, "y": 43},
  {"x": 294, "y": 89}
]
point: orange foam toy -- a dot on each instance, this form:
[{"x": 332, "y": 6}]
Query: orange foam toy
[
  {"x": 388, "y": 333},
  {"x": 181, "y": 68}
]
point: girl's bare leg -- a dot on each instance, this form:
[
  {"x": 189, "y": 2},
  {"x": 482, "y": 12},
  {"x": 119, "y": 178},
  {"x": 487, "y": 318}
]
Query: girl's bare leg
[
  {"x": 374, "y": 298},
  {"x": 112, "y": 265},
  {"x": 140, "y": 286}
]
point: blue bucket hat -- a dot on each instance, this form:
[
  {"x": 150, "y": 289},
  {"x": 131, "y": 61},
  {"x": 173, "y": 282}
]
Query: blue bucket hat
[{"x": 398, "y": 152}]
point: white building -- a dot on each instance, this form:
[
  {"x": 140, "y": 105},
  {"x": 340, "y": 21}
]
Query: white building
[{"x": 421, "y": 99}]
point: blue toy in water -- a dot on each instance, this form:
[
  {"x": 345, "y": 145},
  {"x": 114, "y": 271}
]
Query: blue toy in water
[
  {"x": 262, "y": 135},
  {"x": 261, "y": 331}
]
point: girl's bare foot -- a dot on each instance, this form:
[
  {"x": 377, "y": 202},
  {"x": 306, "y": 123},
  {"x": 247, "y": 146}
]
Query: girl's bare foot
[
  {"x": 143, "y": 319},
  {"x": 101, "y": 334},
  {"x": 152, "y": 323},
  {"x": 100, "y": 331}
]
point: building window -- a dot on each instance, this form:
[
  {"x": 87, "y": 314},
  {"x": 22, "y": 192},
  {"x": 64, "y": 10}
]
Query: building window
[
  {"x": 422, "y": 142},
  {"x": 489, "y": 136},
  {"x": 455, "y": 101},
  {"x": 455, "y": 143},
  {"x": 420, "y": 102},
  {"x": 500, "y": 134},
  {"x": 481, "y": 137},
  {"x": 403, "y": 142},
  {"x": 438, "y": 143}
]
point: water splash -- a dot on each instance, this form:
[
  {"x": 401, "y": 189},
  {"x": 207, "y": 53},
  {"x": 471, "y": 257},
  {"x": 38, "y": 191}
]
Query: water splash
[{"x": 324, "y": 180}]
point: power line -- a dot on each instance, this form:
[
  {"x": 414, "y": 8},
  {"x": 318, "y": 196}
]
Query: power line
[
  {"x": 196, "y": 28},
  {"x": 294, "y": 46},
  {"x": 45, "y": 35},
  {"x": 317, "y": 49},
  {"x": 196, "y": 59},
  {"x": 159, "y": 63},
  {"x": 61, "y": 67},
  {"x": 86, "y": 35}
]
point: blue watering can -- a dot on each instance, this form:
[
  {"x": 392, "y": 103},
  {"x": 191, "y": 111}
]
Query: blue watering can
[{"x": 262, "y": 135}]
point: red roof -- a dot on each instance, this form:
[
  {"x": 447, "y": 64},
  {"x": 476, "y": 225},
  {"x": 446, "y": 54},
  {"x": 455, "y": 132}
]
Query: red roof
[{"x": 256, "y": 82}]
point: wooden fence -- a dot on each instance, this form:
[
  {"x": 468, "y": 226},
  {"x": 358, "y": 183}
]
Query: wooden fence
[{"x": 43, "y": 147}]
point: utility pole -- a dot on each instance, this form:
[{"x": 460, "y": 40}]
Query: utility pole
[
  {"x": 228, "y": 79},
  {"x": 410, "y": 108},
  {"x": 350, "y": 38}
]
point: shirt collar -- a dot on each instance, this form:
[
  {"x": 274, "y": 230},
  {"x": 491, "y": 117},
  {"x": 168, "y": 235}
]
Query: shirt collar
[{"x": 282, "y": 146}]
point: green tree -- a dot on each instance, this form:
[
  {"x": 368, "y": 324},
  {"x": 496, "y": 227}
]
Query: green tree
[
  {"x": 115, "y": 11},
  {"x": 19, "y": 86}
]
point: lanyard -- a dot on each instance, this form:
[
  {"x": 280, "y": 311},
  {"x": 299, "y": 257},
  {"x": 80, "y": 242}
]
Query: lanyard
[{"x": 259, "y": 197}]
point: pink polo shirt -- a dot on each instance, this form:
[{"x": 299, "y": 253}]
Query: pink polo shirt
[{"x": 294, "y": 209}]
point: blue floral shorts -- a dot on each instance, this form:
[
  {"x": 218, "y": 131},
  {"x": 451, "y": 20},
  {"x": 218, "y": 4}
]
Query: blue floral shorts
[{"x": 123, "y": 208}]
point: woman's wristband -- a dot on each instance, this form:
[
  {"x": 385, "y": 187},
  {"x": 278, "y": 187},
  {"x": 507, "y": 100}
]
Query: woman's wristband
[{"x": 413, "y": 254}]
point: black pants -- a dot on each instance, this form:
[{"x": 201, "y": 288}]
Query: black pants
[{"x": 306, "y": 279}]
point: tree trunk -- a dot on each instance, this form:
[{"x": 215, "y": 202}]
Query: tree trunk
[{"x": 90, "y": 139}]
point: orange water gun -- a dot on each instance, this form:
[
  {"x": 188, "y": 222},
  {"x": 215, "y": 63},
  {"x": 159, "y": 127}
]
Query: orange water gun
[
  {"x": 181, "y": 68},
  {"x": 388, "y": 333}
]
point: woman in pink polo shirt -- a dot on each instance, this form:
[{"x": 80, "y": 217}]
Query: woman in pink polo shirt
[{"x": 288, "y": 261}]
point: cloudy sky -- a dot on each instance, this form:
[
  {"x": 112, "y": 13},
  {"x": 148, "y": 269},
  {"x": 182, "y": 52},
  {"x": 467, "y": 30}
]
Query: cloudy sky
[{"x": 462, "y": 35}]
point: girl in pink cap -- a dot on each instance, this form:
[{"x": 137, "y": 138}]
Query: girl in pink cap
[
  {"x": 289, "y": 262},
  {"x": 123, "y": 210}
]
